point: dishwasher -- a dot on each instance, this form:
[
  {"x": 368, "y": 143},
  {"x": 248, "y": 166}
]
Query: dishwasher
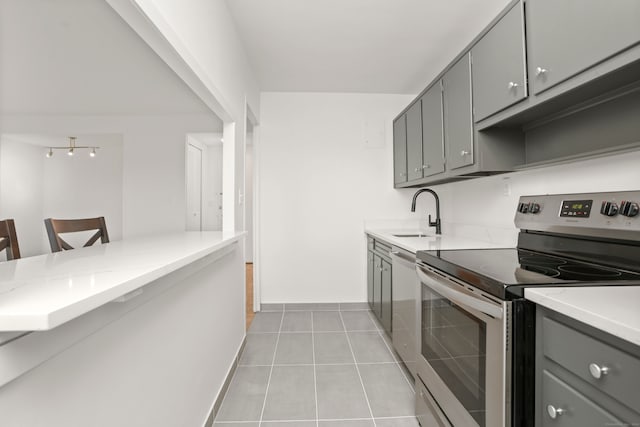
[{"x": 405, "y": 297}]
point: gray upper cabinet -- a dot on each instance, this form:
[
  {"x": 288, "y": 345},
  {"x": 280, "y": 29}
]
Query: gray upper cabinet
[
  {"x": 499, "y": 65},
  {"x": 414, "y": 142},
  {"x": 432, "y": 131},
  {"x": 458, "y": 117},
  {"x": 569, "y": 36},
  {"x": 400, "y": 150}
]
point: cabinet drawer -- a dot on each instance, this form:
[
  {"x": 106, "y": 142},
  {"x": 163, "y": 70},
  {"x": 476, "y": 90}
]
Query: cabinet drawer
[
  {"x": 581, "y": 354},
  {"x": 382, "y": 247},
  {"x": 569, "y": 407}
]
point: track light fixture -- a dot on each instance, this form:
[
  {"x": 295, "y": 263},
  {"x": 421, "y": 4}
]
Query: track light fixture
[{"x": 72, "y": 148}]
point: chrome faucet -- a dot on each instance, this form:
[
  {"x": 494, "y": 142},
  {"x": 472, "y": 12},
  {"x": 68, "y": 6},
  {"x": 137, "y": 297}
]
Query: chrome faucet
[{"x": 435, "y": 223}]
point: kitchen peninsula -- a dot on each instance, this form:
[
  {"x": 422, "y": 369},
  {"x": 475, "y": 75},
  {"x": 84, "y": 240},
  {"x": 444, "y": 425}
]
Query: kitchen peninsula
[{"x": 97, "y": 328}]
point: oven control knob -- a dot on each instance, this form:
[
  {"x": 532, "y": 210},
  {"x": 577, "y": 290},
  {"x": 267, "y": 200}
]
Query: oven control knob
[
  {"x": 523, "y": 208},
  {"x": 629, "y": 209},
  {"x": 609, "y": 209},
  {"x": 534, "y": 208}
]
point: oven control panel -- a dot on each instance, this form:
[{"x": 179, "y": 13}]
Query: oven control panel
[
  {"x": 576, "y": 208},
  {"x": 612, "y": 214}
]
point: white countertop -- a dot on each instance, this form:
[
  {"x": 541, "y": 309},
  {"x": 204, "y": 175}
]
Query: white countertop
[
  {"x": 612, "y": 309},
  {"x": 42, "y": 292},
  {"x": 431, "y": 241}
]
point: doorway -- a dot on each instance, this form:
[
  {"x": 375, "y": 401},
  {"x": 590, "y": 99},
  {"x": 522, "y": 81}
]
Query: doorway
[{"x": 204, "y": 182}]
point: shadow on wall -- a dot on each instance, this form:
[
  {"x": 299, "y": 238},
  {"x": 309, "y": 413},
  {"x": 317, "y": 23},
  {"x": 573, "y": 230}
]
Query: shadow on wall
[{"x": 34, "y": 186}]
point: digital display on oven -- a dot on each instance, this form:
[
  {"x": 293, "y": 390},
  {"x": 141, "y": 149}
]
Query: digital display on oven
[{"x": 576, "y": 208}]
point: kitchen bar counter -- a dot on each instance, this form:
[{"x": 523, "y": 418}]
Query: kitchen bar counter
[
  {"x": 42, "y": 292},
  {"x": 612, "y": 309}
]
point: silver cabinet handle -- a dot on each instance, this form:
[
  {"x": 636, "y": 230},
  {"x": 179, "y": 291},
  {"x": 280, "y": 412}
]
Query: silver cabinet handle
[
  {"x": 554, "y": 412},
  {"x": 512, "y": 85},
  {"x": 598, "y": 371},
  {"x": 540, "y": 71},
  {"x": 426, "y": 166},
  {"x": 465, "y": 153}
]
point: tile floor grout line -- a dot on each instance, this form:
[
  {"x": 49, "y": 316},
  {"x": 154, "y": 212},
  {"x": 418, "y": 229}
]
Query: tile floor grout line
[
  {"x": 315, "y": 379},
  {"x": 397, "y": 362},
  {"x": 273, "y": 361},
  {"x": 366, "y": 396}
]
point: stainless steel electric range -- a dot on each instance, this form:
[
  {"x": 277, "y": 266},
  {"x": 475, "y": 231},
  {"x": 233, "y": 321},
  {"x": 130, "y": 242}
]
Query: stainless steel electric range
[{"x": 477, "y": 331}]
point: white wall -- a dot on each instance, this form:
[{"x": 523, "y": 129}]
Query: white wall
[
  {"x": 205, "y": 37},
  {"x": 482, "y": 202},
  {"x": 22, "y": 193},
  {"x": 319, "y": 181}
]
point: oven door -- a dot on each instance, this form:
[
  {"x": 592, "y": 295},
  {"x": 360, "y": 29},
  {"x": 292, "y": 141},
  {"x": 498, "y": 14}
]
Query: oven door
[{"x": 465, "y": 360}]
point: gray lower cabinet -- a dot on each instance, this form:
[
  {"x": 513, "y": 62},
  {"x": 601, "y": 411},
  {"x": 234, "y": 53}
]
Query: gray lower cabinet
[
  {"x": 458, "y": 117},
  {"x": 379, "y": 282},
  {"x": 386, "y": 309},
  {"x": 584, "y": 377},
  {"x": 567, "y": 37},
  {"x": 370, "y": 270},
  {"x": 499, "y": 65},
  {"x": 400, "y": 150}
]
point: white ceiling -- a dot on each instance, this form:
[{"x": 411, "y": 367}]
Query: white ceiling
[
  {"x": 371, "y": 46},
  {"x": 80, "y": 57}
]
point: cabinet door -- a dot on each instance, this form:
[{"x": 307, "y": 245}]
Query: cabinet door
[
  {"x": 432, "y": 131},
  {"x": 569, "y": 36},
  {"x": 498, "y": 65},
  {"x": 370, "y": 275},
  {"x": 377, "y": 286},
  {"x": 458, "y": 117},
  {"x": 400, "y": 150},
  {"x": 414, "y": 142},
  {"x": 386, "y": 308}
]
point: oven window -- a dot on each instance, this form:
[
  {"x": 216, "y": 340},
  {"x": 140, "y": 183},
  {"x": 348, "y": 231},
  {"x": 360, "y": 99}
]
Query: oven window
[{"x": 454, "y": 344}]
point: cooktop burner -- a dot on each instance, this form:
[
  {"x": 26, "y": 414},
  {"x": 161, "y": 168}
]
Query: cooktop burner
[{"x": 507, "y": 271}]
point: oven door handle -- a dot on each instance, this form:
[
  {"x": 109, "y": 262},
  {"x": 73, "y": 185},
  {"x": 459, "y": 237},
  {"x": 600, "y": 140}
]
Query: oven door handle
[{"x": 434, "y": 281}]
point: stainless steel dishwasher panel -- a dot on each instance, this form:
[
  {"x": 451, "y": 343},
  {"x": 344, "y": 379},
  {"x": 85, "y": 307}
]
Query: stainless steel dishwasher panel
[{"x": 405, "y": 296}]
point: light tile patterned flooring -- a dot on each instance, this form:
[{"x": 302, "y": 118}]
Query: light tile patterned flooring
[{"x": 317, "y": 365}]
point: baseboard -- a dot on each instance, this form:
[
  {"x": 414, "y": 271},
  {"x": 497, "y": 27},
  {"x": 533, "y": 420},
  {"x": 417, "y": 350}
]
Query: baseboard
[{"x": 225, "y": 386}]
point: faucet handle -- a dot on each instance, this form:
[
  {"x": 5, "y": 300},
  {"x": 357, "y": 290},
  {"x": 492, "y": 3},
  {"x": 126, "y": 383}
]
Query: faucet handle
[{"x": 432, "y": 223}]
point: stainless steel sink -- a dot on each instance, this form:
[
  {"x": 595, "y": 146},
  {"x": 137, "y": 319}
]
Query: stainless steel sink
[{"x": 412, "y": 235}]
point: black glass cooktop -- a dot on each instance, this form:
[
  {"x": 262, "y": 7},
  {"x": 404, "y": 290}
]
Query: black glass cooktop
[{"x": 506, "y": 272}]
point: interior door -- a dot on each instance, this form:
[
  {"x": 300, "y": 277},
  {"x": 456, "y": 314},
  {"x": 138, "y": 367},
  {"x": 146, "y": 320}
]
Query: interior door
[{"x": 194, "y": 188}]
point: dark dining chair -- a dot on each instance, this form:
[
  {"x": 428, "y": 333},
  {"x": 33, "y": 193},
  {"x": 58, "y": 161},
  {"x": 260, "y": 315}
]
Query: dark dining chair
[
  {"x": 9, "y": 239},
  {"x": 55, "y": 227}
]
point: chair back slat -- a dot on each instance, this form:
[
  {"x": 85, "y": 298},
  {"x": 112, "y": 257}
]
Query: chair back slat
[
  {"x": 9, "y": 239},
  {"x": 55, "y": 227}
]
